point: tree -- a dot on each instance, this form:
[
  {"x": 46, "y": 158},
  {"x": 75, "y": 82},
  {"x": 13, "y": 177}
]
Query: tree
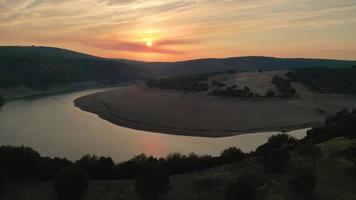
[
  {"x": 232, "y": 154},
  {"x": 270, "y": 93},
  {"x": 71, "y": 183},
  {"x": 152, "y": 182},
  {"x": 278, "y": 141},
  {"x": 243, "y": 188},
  {"x": 2, "y": 101}
]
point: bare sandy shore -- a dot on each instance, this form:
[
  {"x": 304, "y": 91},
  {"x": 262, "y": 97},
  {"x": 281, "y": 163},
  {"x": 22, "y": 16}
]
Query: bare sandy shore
[{"x": 172, "y": 112}]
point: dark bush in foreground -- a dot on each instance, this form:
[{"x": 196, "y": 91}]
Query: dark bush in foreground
[
  {"x": 278, "y": 141},
  {"x": 244, "y": 188},
  {"x": 303, "y": 180},
  {"x": 275, "y": 160},
  {"x": 71, "y": 183},
  {"x": 4, "y": 179},
  {"x": 232, "y": 154},
  {"x": 152, "y": 182},
  {"x": 2, "y": 101}
]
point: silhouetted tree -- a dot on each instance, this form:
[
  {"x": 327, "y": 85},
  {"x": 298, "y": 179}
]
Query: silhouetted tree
[
  {"x": 2, "y": 101},
  {"x": 152, "y": 182},
  {"x": 232, "y": 154},
  {"x": 243, "y": 188},
  {"x": 71, "y": 183},
  {"x": 278, "y": 141}
]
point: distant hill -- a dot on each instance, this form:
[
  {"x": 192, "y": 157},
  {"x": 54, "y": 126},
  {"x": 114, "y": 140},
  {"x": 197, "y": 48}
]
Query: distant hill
[
  {"x": 250, "y": 63},
  {"x": 41, "y": 67}
]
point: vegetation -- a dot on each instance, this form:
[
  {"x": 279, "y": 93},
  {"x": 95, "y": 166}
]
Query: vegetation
[
  {"x": 341, "y": 124},
  {"x": 311, "y": 153},
  {"x": 24, "y": 162},
  {"x": 244, "y": 187},
  {"x": 4, "y": 179},
  {"x": 71, "y": 183},
  {"x": 284, "y": 86},
  {"x": 184, "y": 83},
  {"x": 303, "y": 180},
  {"x": 2, "y": 101},
  {"x": 152, "y": 182},
  {"x": 327, "y": 80},
  {"x": 233, "y": 92},
  {"x": 41, "y": 67}
]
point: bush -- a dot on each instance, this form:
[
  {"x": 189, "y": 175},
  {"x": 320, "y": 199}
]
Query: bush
[
  {"x": 2, "y": 101},
  {"x": 244, "y": 188},
  {"x": 71, "y": 183},
  {"x": 4, "y": 179},
  {"x": 278, "y": 141},
  {"x": 303, "y": 180},
  {"x": 152, "y": 182},
  {"x": 232, "y": 154},
  {"x": 276, "y": 160}
]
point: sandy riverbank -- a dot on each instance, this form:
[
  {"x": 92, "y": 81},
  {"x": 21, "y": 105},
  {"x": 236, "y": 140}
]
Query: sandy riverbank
[{"x": 166, "y": 111}]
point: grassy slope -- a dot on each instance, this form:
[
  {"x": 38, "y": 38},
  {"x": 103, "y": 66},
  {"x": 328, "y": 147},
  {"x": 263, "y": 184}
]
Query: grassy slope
[
  {"x": 336, "y": 180},
  {"x": 41, "y": 67}
]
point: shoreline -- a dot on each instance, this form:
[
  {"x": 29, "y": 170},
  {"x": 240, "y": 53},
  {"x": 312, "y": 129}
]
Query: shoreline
[{"x": 62, "y": 90}]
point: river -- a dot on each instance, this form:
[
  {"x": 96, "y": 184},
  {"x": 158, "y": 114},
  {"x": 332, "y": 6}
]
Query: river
[{"x": 53, "y": 126}]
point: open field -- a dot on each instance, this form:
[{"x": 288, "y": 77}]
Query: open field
[{"x": 190, "y": 113}]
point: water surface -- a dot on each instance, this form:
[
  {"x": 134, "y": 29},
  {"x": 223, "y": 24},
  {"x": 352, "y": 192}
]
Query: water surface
[{"x": 53, "y": 126}]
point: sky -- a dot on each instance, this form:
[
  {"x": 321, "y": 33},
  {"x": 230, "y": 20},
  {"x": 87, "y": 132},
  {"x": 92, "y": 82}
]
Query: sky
[{"x": 171, "y": 30}]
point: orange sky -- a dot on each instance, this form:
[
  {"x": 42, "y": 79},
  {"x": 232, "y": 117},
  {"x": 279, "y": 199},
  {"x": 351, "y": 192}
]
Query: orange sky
[{"x": 169, "y": 30}]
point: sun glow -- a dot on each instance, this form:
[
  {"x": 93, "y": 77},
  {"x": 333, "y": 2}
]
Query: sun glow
[{"x": 149, "y": 43}]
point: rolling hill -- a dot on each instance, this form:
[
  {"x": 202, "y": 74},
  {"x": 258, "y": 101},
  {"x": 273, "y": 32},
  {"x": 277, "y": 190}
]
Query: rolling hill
[
  {"x": 42, "y": 67},
  {"x": 239, "y": 64}
]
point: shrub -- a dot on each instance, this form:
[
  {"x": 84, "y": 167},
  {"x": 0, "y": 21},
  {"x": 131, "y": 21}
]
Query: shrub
[
  {"x": 232, "y": 154},
  {"x": 152, "y": 182},
  {"x": 21, "y": 162},
  {"x": 71, "y": 183},
  {"x": 278, "y": 141},
  {"x": 303, "y": 180},
  {"x": 217, "y": 83},
  {"x": 2, "y": 101},
  {"x": 244, "y": 187},
  {"x": 270, "y": 93},
  {"x": 275, "y": 160},
  {"x": 4, "y": 179}
]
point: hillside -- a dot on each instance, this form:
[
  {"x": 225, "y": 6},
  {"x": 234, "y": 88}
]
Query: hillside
[
  {"x": 239, "y": 64},
  {"x": 42, "y": 67}
]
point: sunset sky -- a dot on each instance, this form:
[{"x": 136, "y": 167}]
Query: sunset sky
[{"x": 170, "y": 30}]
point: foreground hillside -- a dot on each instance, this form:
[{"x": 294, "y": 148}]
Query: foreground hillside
[
  {"x": 335, "y": 179},
  {"x": 27, "y": 69},
  {"x": 215, "y": 105}
]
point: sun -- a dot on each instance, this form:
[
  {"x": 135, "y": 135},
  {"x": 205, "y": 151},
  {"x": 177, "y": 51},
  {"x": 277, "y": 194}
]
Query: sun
[{"x": 149, "y": 43}]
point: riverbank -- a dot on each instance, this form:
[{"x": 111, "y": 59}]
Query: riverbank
[{"x": 167, "y": 111}]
